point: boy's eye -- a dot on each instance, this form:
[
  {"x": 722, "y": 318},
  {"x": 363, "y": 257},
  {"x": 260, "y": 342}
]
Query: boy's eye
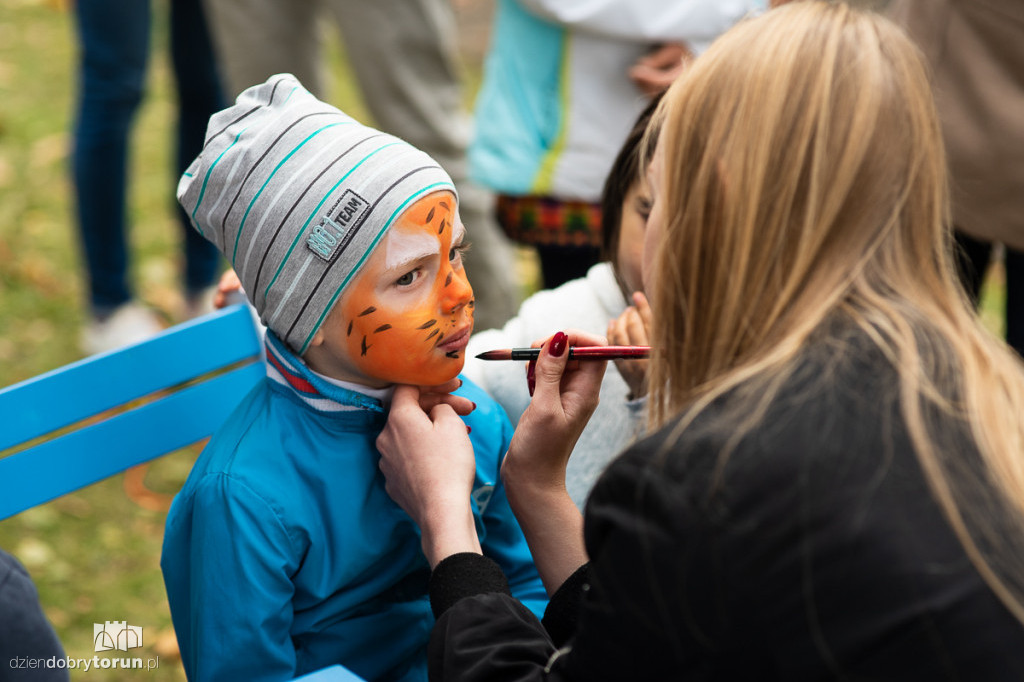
[{"x": 406, "y": 279}]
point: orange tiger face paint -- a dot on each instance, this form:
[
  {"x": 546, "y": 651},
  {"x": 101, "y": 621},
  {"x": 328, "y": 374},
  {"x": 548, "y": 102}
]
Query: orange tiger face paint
[{"x": 407, "y": 315}]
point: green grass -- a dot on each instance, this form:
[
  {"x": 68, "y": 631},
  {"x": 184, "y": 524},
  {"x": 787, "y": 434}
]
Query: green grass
[{"x": 993, "y": 300}]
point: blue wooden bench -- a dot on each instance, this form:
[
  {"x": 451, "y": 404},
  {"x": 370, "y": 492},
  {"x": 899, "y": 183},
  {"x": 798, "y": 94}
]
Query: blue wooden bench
[
  {"x": 89, "y": 420},
  {"x": 83, "y": 422}
]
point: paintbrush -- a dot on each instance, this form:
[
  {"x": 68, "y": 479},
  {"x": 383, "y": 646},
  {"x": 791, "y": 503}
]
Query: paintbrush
[{"x": 575, "y": 353}]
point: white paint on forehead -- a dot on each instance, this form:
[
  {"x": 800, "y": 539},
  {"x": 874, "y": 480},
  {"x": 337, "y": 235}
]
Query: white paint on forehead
[
  {"x": 458, "y": 230},
  {"x": 402, "y": 247}
]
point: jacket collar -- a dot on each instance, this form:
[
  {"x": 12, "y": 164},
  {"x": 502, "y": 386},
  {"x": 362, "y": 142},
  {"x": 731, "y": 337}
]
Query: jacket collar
[{"x": 286, "y": 369}]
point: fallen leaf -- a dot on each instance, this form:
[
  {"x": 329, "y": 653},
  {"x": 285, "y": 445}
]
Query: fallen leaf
[
  {"x": 166, "y": 645},
  {"x": 49, "y": 150},
  {"x": 33, "y": 552}
]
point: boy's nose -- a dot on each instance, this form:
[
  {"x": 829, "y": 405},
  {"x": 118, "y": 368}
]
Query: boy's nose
[{"x": 457, "y": 291}]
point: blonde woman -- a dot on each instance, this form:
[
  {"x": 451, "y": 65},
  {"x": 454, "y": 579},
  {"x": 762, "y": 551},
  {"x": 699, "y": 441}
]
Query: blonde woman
[{"x": 835, "y": 485}]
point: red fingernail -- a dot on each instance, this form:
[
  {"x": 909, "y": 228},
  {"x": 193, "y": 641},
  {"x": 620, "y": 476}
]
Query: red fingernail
[
  {"x": 469, "y": 429},
  {"x": 474, "y": 406},
  {"x": 531, "y": 376},
  {"x": 558, "y": 344}
]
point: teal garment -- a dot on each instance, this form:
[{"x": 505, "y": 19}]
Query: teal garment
[
  {"x": 284, "y": 554},
  {"x": 519, "y": 110},
  {"x": 556, "y": 101}
]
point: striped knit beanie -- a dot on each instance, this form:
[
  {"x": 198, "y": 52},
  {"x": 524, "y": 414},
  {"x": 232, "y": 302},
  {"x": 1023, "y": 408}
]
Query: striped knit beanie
[{"x": 296, "y": 194}]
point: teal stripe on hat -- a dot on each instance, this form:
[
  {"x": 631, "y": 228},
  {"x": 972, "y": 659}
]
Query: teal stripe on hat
[
  {"x": 206, "y": 179},
  {"x": 366, "y": 254},
  {"x": 241, "y": 225},
  {"x": 315, "y": 211}
]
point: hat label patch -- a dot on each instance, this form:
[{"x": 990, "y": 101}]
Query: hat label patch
[{"x": 327, "y": 239}]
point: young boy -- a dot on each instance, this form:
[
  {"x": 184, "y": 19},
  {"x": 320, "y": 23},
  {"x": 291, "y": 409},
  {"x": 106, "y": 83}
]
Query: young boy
[{"x": 283, "y": 552}]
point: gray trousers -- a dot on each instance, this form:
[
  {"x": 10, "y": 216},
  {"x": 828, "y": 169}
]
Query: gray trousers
[{"x": 404, "y": 56}]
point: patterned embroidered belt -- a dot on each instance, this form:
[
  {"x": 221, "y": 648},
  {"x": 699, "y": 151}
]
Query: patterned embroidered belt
[{"x": 548, "y": 221}]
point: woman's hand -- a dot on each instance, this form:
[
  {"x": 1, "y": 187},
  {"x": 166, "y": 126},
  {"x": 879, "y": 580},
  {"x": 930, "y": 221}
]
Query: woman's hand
[
  {"x": 429, "y": 467},
  {"x": 432, "y": 396},
  {"x": 633, "y": 328},
  {"x": 655, "y": 72},
  {"x": 565, "y": 395}
]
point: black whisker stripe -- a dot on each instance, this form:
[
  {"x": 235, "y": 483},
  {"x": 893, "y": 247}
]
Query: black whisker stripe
[
  {"x": 427, "y": 325},
  {"x": 440, "y": 337},
  {"x": 382, "y": 328},
  {"x": 347, "y": 240},
  {"x": 454, "y": 354},
  {"x": 431, "y": 334},
  {"x": 365, "y": 347},
  {"x": 448, "y": 279},
  {"x": 369, "y": 310},
  {"x": 430, "y": 214},
  {"x": 441, "y": 229},
  {"x": 349, "y": 332},
  {"x": 298, "y": 200},
  {"x": 444, "y": 205}
]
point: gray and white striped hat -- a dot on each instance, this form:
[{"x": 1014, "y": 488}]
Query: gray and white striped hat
[{"x": 296, "y": 194}]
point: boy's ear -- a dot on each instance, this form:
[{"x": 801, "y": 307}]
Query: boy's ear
[{"x": 318, "y": 338}]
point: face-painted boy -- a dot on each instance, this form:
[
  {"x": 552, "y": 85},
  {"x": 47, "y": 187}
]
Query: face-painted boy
[
  {"x": 283, "y": 542},
  {"x": 407, "y": 315}
]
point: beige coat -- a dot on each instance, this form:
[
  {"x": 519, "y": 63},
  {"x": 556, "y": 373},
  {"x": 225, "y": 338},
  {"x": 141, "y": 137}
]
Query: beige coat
[{"x": 976, "y": 51}]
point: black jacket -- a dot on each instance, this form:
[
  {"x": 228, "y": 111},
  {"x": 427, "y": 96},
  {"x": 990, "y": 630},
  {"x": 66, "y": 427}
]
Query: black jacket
[
  {"x": 29, "y": 648},
  {"x": 815, "y": 552}
]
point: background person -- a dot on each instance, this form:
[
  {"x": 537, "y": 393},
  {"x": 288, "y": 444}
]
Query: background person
[
  {"x": 114, "y": 42},
  {"x": 976, "y": 53},
  {"x": 833, "y": 489},
  {"x": 598, "y": 303},
  {"x": 563, "y": 82}
]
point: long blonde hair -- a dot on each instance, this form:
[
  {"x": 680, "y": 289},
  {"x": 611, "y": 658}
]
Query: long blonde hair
[{"x": 804, "y": 177}]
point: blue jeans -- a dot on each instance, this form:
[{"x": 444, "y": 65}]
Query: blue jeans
[{"x": 114, "y": 39}]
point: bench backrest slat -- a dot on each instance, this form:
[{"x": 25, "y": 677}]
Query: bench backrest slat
[{"x": 91, "y": 419}]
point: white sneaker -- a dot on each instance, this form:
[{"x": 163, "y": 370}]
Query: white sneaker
[{"x": 128, "y": 324}]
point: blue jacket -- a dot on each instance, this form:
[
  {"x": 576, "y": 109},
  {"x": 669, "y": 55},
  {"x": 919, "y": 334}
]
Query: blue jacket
[{"x": 284, "y": 554}]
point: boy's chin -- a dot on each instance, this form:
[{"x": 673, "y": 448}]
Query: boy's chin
[
  {"x": 432, "y": 376},
  {"x": 440, "y": 378}
]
